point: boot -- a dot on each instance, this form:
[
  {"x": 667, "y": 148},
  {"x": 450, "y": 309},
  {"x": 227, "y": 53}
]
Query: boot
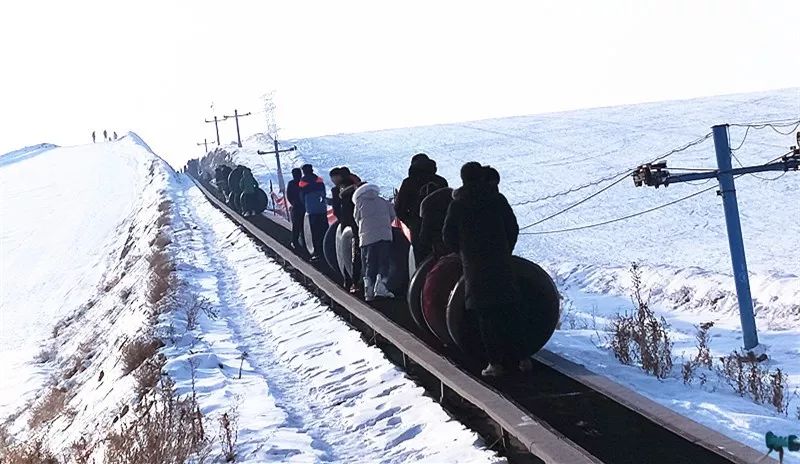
[
  {"x": 369, "y": 289},
  {"x": 493, "y": 370},
  {"x": 381, "y": 290}
]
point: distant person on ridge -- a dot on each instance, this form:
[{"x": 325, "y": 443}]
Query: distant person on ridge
[
  {"x": 115, "y": 136},
  {"x": 374, "y": 216},
  {"x": 105, "y": 135},
  {"x": 421, "y": 181},
  {"x": 94, "y": 137},
  {"x": 312, "y": 191},
  {"x": 481, "y": 226},
  {"x": 348, "y": 183},
  {"x": 248, "y": 186},
  {"x": 298, "y": 210}
]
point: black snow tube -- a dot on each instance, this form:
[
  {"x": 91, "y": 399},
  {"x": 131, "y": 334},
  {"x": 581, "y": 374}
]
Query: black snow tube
[
  {"x": 398, "y": 273},
  {"x": 414, "y": 295},
  {"x": 329, "y": 248},
  {"x": 529, "y": 327},
  {"x": 439, "y": 283},
  {"x": 260, "y": 201}
]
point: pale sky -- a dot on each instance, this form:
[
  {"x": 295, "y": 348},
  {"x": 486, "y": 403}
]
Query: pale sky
[{"x": 155, "y": 67}]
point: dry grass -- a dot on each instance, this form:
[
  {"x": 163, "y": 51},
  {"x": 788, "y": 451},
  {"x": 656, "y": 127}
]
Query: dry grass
[
  {"x": 170, "y": 431},
  {"x": 137, "y": 352},
  {"x": 747, "y": 377},
  {"x": 50, "y": 406},
  {"x": 34, "y": 452},
  {"x": 641, "y": 337},
  {"x": 161, "y": 278},
  {"x": 148, "y": 375},
  {"x": 229, "y": 433}
]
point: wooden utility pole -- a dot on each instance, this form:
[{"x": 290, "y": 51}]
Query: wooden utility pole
[
  {"x": 205, "y": 143},
  {"x": 281, "y": 184},
  {"x": 216, "y": 126},
  {"x": 236, "y": 116}
]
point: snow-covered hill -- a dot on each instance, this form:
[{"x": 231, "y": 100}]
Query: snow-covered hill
[
  {"x": 546, "y": 162},
  {"x": 111, "y": 260}
]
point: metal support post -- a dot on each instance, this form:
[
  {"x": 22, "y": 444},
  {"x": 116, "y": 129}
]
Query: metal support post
[{"x": 735, "y": 240}]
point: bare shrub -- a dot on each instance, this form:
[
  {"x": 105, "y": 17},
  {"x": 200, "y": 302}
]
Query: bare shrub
[
  {"x": 34, "y": 452},
  {"x": 703, "y": 340},
  {"x": 778, "y": 395},
  {"x": 50, "y": 406},
  {"x": 81, "y": 451},
  {"x": 124, "y": 294},
  {"x": 148, "y": 375},
  {"x": 170, "y": 431},
  {"x": 641, "y": 337},
  {"x": 137, "y": 351},
  {"x": 229, "y": 433},
  {"x": 164, "y": 206},
  {"x": 731, "y": 369},
  {"x": 687, "y": 372},
  {"x": 161, "y": 240},
  {"x": 199, "y": 306},
  {"x": 161, "y": 278}
]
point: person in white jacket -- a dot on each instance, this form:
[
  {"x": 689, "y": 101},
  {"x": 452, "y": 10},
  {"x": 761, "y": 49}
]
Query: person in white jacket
[{"x": 374, "y": 216}]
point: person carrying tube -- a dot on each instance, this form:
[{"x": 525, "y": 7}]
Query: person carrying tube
[
  {"x": 312, "y": 191},
  {"x": 421, "y": 181},
  {"x": 248, "y": 186},
  {"x": 349, "y": 182},
  {"x": 374, "y": 216},
  {"x": 297, "y": 210},
  {"x": 481, "y": 226},
  {"x": 234, "y": 179}
]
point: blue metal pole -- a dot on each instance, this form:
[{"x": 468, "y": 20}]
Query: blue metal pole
[{"x": 728, "y": 192}]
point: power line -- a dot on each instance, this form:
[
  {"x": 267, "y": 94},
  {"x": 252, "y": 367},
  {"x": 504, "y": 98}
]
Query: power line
[
  {"x": 622, "y": 176},
  {"x": 774, "y": 125},
  {"x": 623, "y": 218}
]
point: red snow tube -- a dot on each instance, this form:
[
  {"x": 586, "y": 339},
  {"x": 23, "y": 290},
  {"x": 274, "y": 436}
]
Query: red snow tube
[
  {"x": 528, "y": 327},
  {"x": 440, "y": 281}
]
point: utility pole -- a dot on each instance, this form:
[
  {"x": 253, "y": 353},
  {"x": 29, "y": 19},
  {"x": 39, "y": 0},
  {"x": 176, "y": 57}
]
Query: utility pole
[
  {"x": 216, "y": 126},
  {"x": 204, "y": 142},
  {"x": 236, "y": 116},
  {"x": 656, "y": 174},
  {"x": 281, "y": 185}
]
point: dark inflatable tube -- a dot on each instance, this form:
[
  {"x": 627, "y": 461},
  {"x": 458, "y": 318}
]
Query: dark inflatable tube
[
  {"x": 414, "y": 294},
  {"x": 528, "y": 327},
  {"x": 439, "y": 283},
  {"x": 260, "y": 202},
  {"x": 329, "y": 248},
  {"x": 398, "y": 274}
]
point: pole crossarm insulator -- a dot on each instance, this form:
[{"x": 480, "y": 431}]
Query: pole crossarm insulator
[
  {"x": 657, "y": 174},
  {"x": 282, "y": 150}
]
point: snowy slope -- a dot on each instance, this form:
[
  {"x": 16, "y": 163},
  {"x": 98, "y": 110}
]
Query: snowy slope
[
  {"x": 60, "y": 209},
  {"x": 683, "y": 248},
  {"x": 79, "y": 269}
]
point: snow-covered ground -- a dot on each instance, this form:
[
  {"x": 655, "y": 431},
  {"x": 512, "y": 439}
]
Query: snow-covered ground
[
  {"x": 682, "y": 249},
  {"x": 80, "y": 227}
]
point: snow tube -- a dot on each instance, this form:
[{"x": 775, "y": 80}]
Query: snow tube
[
  {"x": 412, "y": 263},
  {"x": 344, "y": 251},
  {"x": 308, "y": 238},
  {"x": 528, "y": 327},
  {"x": 439, "y": 283},
  {"x": 329, "y": 248},
  {"x": 414, "y": 294},
  {"x": 398, "y": 272},
  {"x": 260, "y": 201}
]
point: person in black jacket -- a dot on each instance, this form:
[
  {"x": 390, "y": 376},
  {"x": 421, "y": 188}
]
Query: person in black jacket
[
  {"x": 349, "y": 182},
  {"x": 335, "y": 175},
  {"x": 298, "y": 209},
  {"x": 432, "y": 212},
  {"x": 481, "y": 226},
  {"x": 421, "y": 181}
]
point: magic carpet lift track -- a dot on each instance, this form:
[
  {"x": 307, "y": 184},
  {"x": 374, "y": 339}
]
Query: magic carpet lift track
[{"x": 532, "y": 423}]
